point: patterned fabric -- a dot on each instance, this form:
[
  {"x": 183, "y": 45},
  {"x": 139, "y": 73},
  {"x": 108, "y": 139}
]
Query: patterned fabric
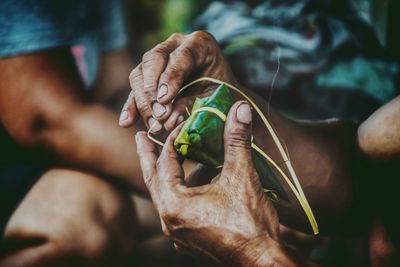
[{"x": 321, "y": 57}]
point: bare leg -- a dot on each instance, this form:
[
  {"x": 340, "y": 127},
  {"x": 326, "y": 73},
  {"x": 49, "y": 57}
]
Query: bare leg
[{"x": 70, "y": 218}]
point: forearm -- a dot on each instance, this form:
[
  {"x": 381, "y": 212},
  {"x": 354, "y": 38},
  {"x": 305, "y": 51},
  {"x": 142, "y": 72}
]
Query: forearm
[
  {"x": 42, "y": 104},
  {"x": 265, "y": 252},
  {"x": 91, "y": 139},
  {"x": 321, "y": 155},
  {"x": 379, "y": 136}
]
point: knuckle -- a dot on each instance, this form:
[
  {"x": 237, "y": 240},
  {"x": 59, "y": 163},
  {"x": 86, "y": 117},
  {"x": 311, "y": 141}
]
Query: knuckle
[
  {"x": 160, "y": 50},
  {"x": 172, "y": 72},
  {"x": 175, "y": 56},
  {"x": 238, "y": 138},
  {"x": 148, "y": 93},
  {"x": 135, "y": 74},
  {"x": 156, "y": 54},
  {"x": 148, "y": 56},
  {"x": 176, "y": 36},
  {"x": 187, "y": 54},
  {"x": 203, "y": 35},
  {"x": 170, "y": 215},
  {"x": 143, "y": 107},
  {"x": 181, "y": 59},
  {"x": 204, "y": 47},
  {"x": 150, "y": 87}
]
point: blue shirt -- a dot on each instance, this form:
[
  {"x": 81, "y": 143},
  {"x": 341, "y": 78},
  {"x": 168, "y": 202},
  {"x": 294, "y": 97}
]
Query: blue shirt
[{"x": 87, "y": 26}]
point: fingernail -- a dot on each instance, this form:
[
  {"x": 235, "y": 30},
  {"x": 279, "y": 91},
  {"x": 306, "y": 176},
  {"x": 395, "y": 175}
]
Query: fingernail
[
  {"x": 180, "y": 119},
  {"x": 123, "y": 116},
  {"x": 243, "y": 113},
  {"x": 154, "y": 125},
  {"x": 162, "y": 91},
  {"x": 158, "y": 109}
]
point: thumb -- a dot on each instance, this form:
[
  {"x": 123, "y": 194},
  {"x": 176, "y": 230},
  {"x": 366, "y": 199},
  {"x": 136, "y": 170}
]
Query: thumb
[{"x": 237, "y": 138}]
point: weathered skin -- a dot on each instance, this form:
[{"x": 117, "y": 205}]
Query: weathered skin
[
  {"x": 230, "y": 221},
  {"x": 320, "y": 152},
  {"x": 324, "y": 154}
]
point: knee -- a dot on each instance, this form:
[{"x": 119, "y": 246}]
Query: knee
[{"x": 87, "y": 224}]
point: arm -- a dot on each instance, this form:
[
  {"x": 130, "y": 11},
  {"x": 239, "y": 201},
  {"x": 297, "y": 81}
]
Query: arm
[
  {"x": 320, "y": 152},
  {"x": 41, "y": 104},
  {"x": 379, "y": 136},
  {"x": 230, "y": 220},
  {"x": 264, "y": 252}
]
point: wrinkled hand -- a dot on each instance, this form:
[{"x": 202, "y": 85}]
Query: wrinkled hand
[
  {"x": 226, "y": 220},
  {"x": 163, "y": 71}
]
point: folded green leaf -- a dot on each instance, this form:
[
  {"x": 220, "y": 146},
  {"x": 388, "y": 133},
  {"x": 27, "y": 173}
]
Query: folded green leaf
[{"x": 201, "y": 139}]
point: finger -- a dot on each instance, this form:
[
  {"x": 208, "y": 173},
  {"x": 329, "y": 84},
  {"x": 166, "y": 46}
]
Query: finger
[
  {"x": 136, "y": 80},
  {"x": 154, "y": 62},
  {"x": 169, "y": 164},
  {"x": 172, "y": 121},
  {"x": 193, "y": 54},
  {"x": 129, "y": 111},
  {"x": 180, "y": 110},
  {"x": 147, "y": 153},
  {"x": 237, "y": 138}
]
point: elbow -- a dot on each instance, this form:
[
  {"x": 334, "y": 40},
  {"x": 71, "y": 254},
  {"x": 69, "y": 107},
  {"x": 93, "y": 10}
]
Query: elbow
[
  {"x": 25, "y": 129},
  {"x": 368, "y": 144},
  {"x": 36, "y": 127}
]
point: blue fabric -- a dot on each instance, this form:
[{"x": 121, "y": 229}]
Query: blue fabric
[
  {"x": 321, "y": 58},
  {"x": 28, "y": 26}
]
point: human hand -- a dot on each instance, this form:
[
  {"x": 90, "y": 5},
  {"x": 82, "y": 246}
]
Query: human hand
[
  {"x": 228, "y": 220},
  {"x": 164, "y": 69}
]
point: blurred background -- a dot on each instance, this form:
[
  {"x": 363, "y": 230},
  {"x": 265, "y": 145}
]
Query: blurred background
[{"x": 336, "y": 58}]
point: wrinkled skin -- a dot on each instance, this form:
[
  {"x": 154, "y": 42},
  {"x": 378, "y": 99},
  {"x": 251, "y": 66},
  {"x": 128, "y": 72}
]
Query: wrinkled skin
[
  {"x": 164, "y": 69},
  {"x": 322, "y": 154},
  {"x": 324, "y": 172},
  {"x": 230, "y": 220}
]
